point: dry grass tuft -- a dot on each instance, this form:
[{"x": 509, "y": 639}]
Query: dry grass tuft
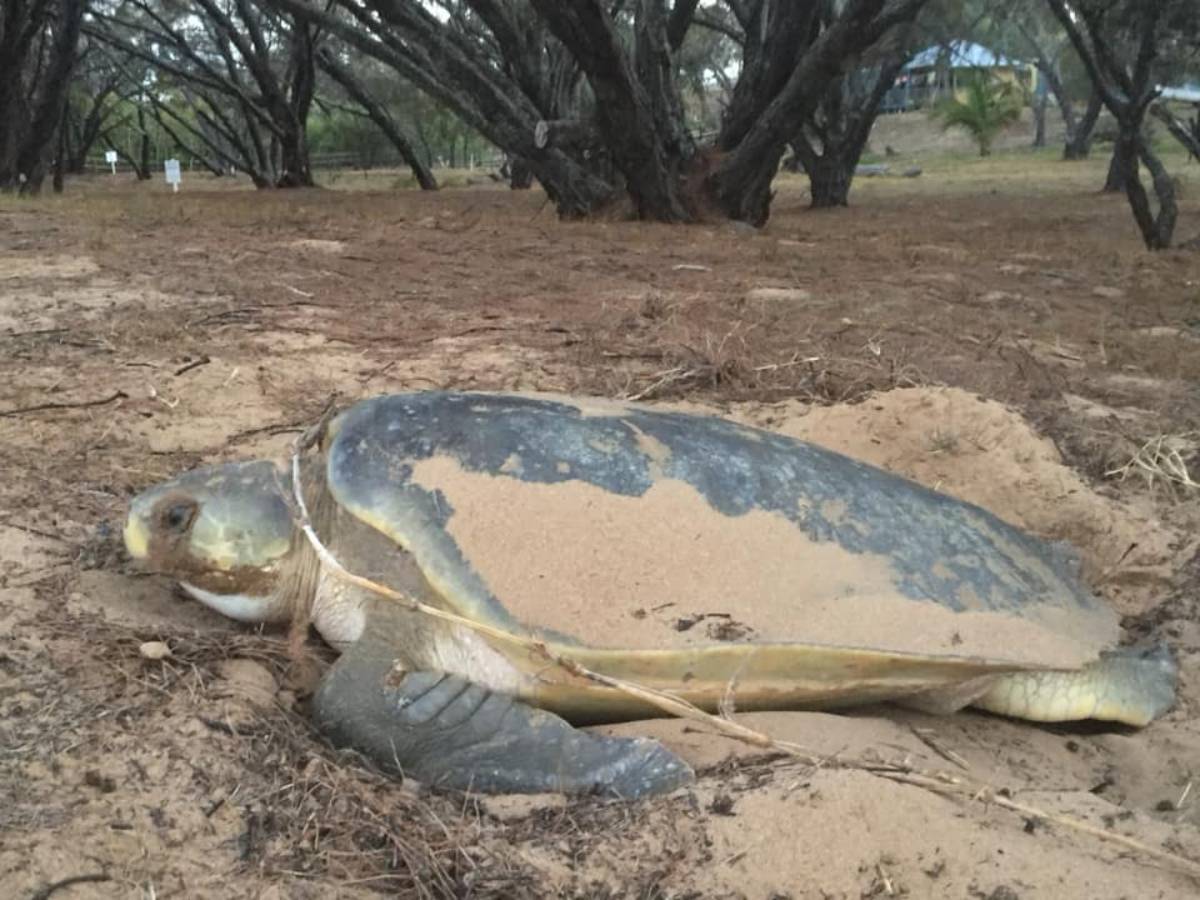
[
  {"x": 1161, "y": 461},
  {"x": 711, "y": 363},
  {"x": 741, "y": 365}
]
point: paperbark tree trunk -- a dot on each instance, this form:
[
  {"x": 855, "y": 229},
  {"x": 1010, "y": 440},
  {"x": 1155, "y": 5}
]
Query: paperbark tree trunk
[
  {"x": 1079, "y": 136},
  {"x": 792, "y": 51},
  {"x": 1039, "y": 121},
  {"x": 290, "y": 109},
  {"x": 639, "y": 113},
  {"x": 1188, "y": 137},
  {"x": 740, "y": 186},
  {"x": 1120, "y": 59},
  {"x": 358, "y": 92},
  {"x": 143, "y": 168},
  {"x": 1114, "y": 181},
  {"x": 501, "y": 75},
  {"x": 841, "y": 126},
  {"x": 28, "y": 150},
  {"x": 455, "y": 71}
]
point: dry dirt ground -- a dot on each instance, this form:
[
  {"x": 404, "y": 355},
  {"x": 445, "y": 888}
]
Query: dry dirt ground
[{"x": 993, "y": 329}]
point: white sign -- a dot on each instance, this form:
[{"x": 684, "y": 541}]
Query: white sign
[
  {"x": 110, "y": 157},
  {"x": 172, "y": 170}
]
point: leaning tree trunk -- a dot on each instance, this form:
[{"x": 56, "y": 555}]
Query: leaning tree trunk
[
  {"x": 288, "y": 159},
  {"x": 87, "y": 131},
  {"x": 753, "y": 135},
  {"x": 193, "y": 139},
  {"x": 1189, "y": 137},
  {"x": 14, "y": 111},
  {"x": 520, "y": 176},
  {"x": 639, "y": 112},
  {"x": 829, "y": 180},
  {"x": 76, "y": 151},
  {"x": 447, "y": 69},
  {"x": 1156, "y": 230},
  {"x": 143, "y": 167},
  {"x": 60, "y": 158},
  {"x": 740, "y": 185},
  {"x": 377, "y": 114},
  {"x": 211, "y": 165},
  {"x": 575, "y": 191},
  {"x": 1079, "y": 138},
  {"x": 32, "y": 159},
  {"x": 291, "y": 115},
  {"x": 1039, "y": 120},
  {"x": 1128, "y": 88},
  {"x": 1114, "y": 182},
  {"x": 294, "y": 169},
  {"x": 842, "y": 124},
  {"x": 132, "y": 161}
]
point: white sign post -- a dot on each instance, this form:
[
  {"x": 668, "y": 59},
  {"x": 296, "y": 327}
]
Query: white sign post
[
  {"x": 110, "y": 157},
  {"x": 173, "y": 177}
]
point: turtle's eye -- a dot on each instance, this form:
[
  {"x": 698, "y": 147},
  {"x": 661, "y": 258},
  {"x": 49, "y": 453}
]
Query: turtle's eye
[{"x": 178, "y": 517}]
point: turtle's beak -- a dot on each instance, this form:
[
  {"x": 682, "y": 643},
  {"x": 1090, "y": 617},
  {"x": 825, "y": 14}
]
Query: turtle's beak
[
  {"x": 140, "y": 524},
  {"x": 137, "y": 536}
]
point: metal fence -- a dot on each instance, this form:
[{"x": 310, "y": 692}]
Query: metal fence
[{"x": 319, "y": 161}]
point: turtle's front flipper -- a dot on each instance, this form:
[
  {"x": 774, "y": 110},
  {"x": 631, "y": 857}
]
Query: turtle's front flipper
[
  {"x": 1129, "y": 685},
  {"x": 448, "y": 732}
]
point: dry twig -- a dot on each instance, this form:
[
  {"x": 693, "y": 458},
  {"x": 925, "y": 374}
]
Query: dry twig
[
  {"x": 203, "y": 360},
  {"x": 1160, "y": 459},
  {"x": 48, "y": 890},
  {"x": 103, "y": 401}
]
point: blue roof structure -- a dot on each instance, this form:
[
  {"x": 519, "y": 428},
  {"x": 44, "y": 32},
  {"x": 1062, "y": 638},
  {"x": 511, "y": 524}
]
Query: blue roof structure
[
  {"x": 963, "y": 55},
  {"x": 1188, "y": 93}
]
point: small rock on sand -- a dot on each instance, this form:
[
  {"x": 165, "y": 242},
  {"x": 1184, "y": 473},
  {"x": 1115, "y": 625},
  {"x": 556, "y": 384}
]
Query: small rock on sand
[
  {"x": 778, "y": 295},
  {"x": 245, "y": 679},
  {"x": 154, "y": 650}
]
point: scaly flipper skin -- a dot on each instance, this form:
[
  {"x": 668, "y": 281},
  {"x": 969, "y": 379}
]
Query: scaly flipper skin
[
  {"x": 447, "y": 732},
  {"x": 1129, "y": 685}
]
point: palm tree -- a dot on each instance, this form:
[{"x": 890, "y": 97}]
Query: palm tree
[{"x": 987, "y": 108}]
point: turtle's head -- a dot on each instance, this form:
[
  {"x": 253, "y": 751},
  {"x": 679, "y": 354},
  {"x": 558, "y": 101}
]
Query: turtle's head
[{"x": 226, "y": 533}]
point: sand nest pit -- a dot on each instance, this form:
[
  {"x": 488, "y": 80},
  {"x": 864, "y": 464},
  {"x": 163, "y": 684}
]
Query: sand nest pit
[{"x": 984, "y": 452}]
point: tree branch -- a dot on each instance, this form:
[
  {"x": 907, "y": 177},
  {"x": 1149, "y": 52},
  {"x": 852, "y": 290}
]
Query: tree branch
[{"x": 377, "y": 114}]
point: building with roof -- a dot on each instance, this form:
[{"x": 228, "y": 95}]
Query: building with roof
[
  {"x": 944, "y": 70},
  {"x": 1184, "y": 93}
]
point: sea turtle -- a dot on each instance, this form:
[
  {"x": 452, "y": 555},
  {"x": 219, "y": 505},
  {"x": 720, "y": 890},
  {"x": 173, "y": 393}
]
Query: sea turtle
[{"x": 682, "y": 552}]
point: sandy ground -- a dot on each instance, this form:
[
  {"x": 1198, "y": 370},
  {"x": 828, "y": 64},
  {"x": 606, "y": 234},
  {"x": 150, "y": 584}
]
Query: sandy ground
[{"x": 993, "y": 330}]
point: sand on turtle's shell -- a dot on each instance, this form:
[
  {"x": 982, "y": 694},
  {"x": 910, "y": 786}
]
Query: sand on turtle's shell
[
  {"x": 983, "y": 452},
  {"x": 621, "y": 571}
]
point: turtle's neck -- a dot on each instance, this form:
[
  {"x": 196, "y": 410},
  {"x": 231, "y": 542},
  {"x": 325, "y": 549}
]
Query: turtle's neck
[{"x": 299, "y": 579}]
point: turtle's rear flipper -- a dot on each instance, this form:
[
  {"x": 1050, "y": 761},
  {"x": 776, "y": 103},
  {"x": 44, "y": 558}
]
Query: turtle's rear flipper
[
  {"x": 1130, "y": 685},
  {"x": 447, "y": 732}
]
